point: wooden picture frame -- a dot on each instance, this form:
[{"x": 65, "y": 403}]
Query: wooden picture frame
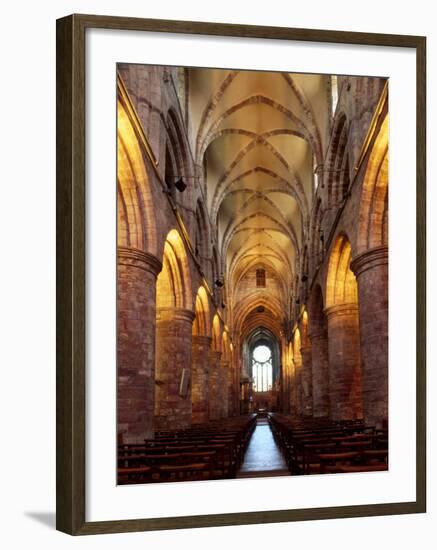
[{"x": 71, "y": 253}]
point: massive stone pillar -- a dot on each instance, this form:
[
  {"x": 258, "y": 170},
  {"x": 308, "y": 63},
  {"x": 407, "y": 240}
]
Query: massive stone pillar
[
  {"x": 214, "y": 387},
  {"x": 285, "y": 389},
  {"x": 320, "y": 373},
  {"x": 344, "y": 362},
  {"x": 201, "y": 349},
  {"x": 371, "y": 271},
  {"x": 136, "y": 321},
  {"x": 224, "y": 388},
  {"x": 297, "y": 390},
  {"x": 306, "y": 381},
  {"x": 173, "y": 366},
  {"x": 293, "y": 391},
  {"x": 231, "y": 390},
  {"x": 245, "y": 397}
]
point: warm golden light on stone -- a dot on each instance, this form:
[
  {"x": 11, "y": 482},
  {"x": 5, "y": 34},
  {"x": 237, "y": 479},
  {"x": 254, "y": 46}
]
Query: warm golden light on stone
[{"x": 277, "y": 241}]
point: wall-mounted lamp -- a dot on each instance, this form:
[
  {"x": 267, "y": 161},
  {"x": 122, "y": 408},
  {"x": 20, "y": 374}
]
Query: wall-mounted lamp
[{"x": 180, "y": 185}]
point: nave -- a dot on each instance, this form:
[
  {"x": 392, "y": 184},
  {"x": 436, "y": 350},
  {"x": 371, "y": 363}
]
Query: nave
[
  {"x": 252, "y": 273},
  {"x": 255, "y": 447}
]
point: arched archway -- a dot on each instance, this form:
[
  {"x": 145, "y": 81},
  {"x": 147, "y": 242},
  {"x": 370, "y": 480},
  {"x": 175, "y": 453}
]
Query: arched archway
[
  {"x": 370, "y": 266},
  {"x": 341, "y": 285},
  {"x": 297, "y": 360},
  {"x": 318, "y": 335},
  {"x": 343, "y": 331},
  {"x": 215, "y": 402},
  {"x": 173, "y": 337},
  {"x": 265, "y": 368},
  {"x": 174, "y": 281},
  {"x": 225, "y": 376},
  {"x": 136, "y": 217},
  {"x": 307, "y": 367},
  {"x": 287, "y": 378},
  {"x": 137, "y": 270},
  {"x": 202, "y": 321},
  {"x": 201, "y": 347},
  {"x": 373, "y": 217}
]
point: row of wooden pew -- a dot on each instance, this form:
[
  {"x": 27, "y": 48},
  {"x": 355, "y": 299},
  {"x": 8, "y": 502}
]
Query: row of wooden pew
[
  {"x": 210, "y": 451},
  {"x": 318, "y": 446}
]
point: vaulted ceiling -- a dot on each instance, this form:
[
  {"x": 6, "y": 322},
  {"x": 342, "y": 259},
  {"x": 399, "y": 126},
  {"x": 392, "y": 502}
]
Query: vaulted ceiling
[{"x": 258, "y": 137}]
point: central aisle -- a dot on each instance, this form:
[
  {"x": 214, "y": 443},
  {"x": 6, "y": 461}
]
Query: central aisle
[{"x": 263, "y": 457}]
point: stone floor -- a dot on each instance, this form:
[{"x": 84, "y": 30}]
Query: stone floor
[{"x": 263, "y": 457}]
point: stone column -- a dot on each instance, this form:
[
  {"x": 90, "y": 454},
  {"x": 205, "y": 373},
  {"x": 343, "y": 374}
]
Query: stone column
[
  {"x": 244, "y": 401},
  {"x": 344, "y": 362},
  {"x": 231, "y": 390},
  {"x": 307, "y": 381},
  {"x": 214, "y": 388},
  {"x": 371, "y": 271},
  {"x": 136, "y": 321},
  {"x": 285, "y": 389},
  {"x": 320, "y": 373},
  {"x": 293, "y": 390},
  {"x": 200, "y": 371},
  {"x": 173, "y": 357},
  {"x": 224, "y": 388},
  {"x": 297, "y": 389}
]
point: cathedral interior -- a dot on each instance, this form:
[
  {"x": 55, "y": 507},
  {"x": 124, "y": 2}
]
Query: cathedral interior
[{"x": 252, "y": 273}]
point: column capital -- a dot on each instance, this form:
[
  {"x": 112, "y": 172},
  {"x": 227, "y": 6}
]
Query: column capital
[
  {"x": 341, "y": 309},
  {"x": 134, "y": 257},
  {"x": 175, "y": 314},
  {"x": 318, "y": 335},
  {"x": 201, "y": 339},
  {"x": 369, "y": 259}
]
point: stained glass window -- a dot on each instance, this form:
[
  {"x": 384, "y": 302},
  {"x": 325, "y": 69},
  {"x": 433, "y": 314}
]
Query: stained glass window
[{"x": 262, "y": 368}]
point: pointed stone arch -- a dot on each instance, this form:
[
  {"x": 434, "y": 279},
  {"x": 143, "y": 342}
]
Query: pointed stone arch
[
  {"x": 173, "y": 408},
  {"x": 373, "y": 217},
  {"x": 318, "y": 336},
  {"x": 200, "y": 357},
  {"x": 344, "y": 334},
  {"x": 216, "y": 334},
  {"x": 174, "y": 281},
  {"x": 341, "y": 285},
  {"x": 202, "y": 322},
  {"x": 136, "y": 217}
]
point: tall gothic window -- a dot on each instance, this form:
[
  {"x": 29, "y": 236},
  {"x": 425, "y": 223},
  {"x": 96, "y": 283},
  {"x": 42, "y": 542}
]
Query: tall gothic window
[
  {"x": 262, "y": 368},
  {"x": 261, "y": 277}
]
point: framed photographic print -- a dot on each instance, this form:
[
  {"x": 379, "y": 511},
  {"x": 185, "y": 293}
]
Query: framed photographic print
[{"x": 240, "y": 274}]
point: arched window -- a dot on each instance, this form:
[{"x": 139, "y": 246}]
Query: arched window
[
  {"x": 261, "y": 277},
  {"x": 262, "y": 368}
]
